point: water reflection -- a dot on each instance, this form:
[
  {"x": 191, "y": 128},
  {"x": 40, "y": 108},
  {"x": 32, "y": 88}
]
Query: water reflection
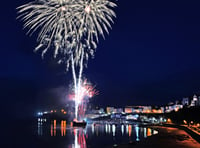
[
  {"x": 122, "y": 129},
  {"x": 40, "y": 129},
  {"x": 109, "y": 128},
  {"x": 63, "y": 128},
  {"x": 113, "y": 130},
  {"x": 129, "y": 130},
  {"x": 93, "y": 134},
  {"x": 79, "y": 140},
  {"x": 145, "y": 132},
  {"x": 149, "y": 132},
  {"x": 53, "y": 128},
  {"x": 41, "y": 122},
  {"x": 137, "y": 133}
]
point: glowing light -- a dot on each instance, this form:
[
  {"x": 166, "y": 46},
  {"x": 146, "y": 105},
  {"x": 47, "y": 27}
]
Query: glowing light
[
  {"x": 92, "y": 128},
  {"x": 155, "y": 132},
  {"x": 149, "y": 132},
  {"x": 87, "y": 9},
  {"x": 40, "y": 113},
  {"x": 63, "y": 128},
  {"x": 79, "y": 140},
  {"x": 137, "y": 133},
  {"x": 122, "y": 129},
  {"x": 54, "y": 127},
  {"x": 184, "y": 121},
  {"x": 109, "y": 128},
  {"x": 113, "y": 129},
  {"x": 84, "y": 91},
  {"x": 51, "y": 129},
  {"x": 129, "y": 130},
  {"x": 145, "y": 133},
  {"x": 106, "y": 127},
  {"x": 71, "y": 28},
  {"x": 169, "y": 120}
]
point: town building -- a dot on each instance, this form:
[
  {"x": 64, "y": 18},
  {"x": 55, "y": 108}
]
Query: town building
[{"x": 185, "y": 101}]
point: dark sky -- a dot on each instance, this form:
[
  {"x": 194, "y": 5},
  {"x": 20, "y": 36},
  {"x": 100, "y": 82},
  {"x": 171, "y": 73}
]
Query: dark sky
[{"x": 151, "y": 56}]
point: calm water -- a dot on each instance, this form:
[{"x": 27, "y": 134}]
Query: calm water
[{"x": 59, "y": 134}]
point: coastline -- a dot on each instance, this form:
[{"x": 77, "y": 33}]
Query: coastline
[{"x": 172, "y": 137}]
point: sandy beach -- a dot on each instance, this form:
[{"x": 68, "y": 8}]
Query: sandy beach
[{"x": 166, "y": 138}]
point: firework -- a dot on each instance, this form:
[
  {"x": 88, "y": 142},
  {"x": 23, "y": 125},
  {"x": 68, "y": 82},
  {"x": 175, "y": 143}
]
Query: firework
[
  {"x": 86, "y": 91},
  {"x": 70, "y": 28}
]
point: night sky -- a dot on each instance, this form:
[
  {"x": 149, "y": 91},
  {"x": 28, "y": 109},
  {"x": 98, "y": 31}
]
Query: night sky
[{"x": 151, "y": 56}]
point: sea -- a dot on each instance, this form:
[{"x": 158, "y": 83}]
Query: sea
[{"x": 43, "y": 133}]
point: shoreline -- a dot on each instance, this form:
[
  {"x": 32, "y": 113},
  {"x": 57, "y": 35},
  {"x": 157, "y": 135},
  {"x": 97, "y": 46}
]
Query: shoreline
[{"x": 167, "y": 136}]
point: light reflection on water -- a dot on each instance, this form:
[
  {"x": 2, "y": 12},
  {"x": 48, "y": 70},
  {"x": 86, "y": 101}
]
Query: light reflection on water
[{"x": 93, "y": 135}]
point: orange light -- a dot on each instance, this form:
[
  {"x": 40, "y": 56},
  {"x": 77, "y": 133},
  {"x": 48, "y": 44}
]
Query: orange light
[
  {"x": 128, "y": 110},
  {"x": 129, "y": 130},
  {"x": 169, "y": 120},
  {"x": 148, "y": 111},
  {"x": 137, "y": 111},
  {"x": 54, "y": 122},
  {"x": 62, "y": 110},
  {"x": 148, "y": 132},
  {"x": 154, "y": 111},
  {"x": 61, "y": 128}
]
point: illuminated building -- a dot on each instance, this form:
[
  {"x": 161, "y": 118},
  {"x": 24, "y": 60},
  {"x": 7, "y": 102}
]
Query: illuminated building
[
  {"x": 157, "y": 111},
  {"x": 128, "y": 109},
  {"x": 110, "y": 110},
  {"x": 174, "y": 107},
  {"x": 132, "y": 117},
  {"x": 118, "y": 110},
  {"x": 194, "y": 101},
  {"x": 185, "y": 101},
  {"x": 146, "y": 109}
]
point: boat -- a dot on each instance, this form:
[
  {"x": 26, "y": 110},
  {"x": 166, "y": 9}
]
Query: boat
[{"x": 79, "y": 123}]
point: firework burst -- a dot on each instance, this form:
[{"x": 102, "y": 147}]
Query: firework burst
[{"x": 70, "y": 28}]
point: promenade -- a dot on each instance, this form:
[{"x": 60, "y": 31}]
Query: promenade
[{"x": 167, "y": 137}]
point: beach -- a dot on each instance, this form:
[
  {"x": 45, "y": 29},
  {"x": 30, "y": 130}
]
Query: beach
[{"x": 167, "y": 137}]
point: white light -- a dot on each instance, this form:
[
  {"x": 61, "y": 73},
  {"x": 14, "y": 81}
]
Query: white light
[
  {"x": 63, "y": 8},
  {"x": 87, "y": 9}
]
